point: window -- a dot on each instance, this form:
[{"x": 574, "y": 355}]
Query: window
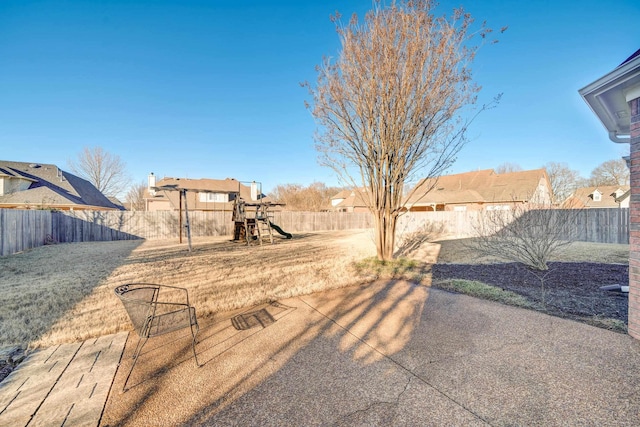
[
  {"x": 597, "y": 196},
  {"x": 213, "y": 197}
]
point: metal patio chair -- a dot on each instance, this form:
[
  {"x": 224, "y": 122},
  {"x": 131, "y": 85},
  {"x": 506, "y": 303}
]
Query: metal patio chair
[{"x": 157, "y": 310}]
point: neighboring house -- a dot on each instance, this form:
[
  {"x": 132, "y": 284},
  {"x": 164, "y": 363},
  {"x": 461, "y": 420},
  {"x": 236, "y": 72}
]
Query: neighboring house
[
  {"x": 481, "y": 190},
  {"x": 45, "y": 186},
  {"x": 201, "y": 194},
  {"x": 611, "y": 196},
  {"x": 118, "y": 203},
  {"x": 340, "y": 197},
  {"x": 349, "y": 201}
]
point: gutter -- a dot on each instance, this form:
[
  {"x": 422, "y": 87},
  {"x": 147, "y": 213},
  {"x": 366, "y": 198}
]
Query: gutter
[{"x": 613, "y": 136}]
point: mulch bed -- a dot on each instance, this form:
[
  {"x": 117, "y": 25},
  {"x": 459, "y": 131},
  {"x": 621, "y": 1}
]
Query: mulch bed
[{"x": 572, "y": 289}]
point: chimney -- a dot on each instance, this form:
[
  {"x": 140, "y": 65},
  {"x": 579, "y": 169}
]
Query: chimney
[
  {"x": 151, "y": 179},
  {"x": 254, "y": 191}
]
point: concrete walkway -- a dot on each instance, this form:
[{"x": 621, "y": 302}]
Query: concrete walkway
[{"x": 386, "y": 354}]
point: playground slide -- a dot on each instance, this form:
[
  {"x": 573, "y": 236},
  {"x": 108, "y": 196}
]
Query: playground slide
[{"x": 279, "y": 230}]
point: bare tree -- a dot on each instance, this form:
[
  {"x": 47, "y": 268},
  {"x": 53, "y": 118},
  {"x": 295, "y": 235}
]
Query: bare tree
[
  {"x": 106, "y": 171},
  {"x": 528, "y": 236},
  {"x": 315, "y": 197},
  {"x": 135, "y": 196},
  {"x": 564, "y": 180},
  {"x": 508, "y": 167},
  {"x": 611, "y": 172},
  {"x": 392, "y": 103},
  {"x": 287, "y": 194}
]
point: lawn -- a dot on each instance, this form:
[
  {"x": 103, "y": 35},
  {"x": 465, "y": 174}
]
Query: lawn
[{"x": 62, "y": 293}]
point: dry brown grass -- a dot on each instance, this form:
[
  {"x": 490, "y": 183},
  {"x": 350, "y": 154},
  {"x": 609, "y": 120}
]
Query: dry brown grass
[{"x": 64, "y": 293}]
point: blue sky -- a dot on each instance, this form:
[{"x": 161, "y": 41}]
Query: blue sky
[{"x": 210, "y": 89}]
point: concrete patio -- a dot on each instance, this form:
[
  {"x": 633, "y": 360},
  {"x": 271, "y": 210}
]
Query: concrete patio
[{"x": 390, "y": 353}]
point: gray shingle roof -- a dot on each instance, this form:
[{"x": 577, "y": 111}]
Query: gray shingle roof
[
  {"x": 51, "y": 186},
  {"x": 632, "y": 57}
]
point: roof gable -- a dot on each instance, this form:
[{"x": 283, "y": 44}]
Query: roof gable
[
  {"x": 342, "y": 195},
  {"x": 354, "y": 200}
]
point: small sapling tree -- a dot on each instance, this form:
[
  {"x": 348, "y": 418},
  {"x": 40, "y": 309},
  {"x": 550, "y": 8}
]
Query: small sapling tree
[{"x": 525, "y": 235}]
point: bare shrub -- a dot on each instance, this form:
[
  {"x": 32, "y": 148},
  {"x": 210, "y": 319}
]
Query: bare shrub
[{"x": 528, "y": 236}]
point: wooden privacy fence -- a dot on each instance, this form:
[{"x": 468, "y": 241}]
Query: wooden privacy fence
[
  {"x": 297, "y": 222},
  {"x": 166, "y": 224},
  {"x": 587, "y": 225},
  {"x": 442, "y": 224},
  {"x": 20, "y": 230},
  {"x": 601, "y": 225},
  {"x": 25, "y": 229}
]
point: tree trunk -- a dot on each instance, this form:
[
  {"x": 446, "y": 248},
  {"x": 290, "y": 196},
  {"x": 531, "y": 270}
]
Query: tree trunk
[{"x": 385, "y": 231}]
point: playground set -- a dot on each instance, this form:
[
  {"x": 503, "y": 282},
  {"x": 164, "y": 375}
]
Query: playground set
[{"x": 252, "y": 219}]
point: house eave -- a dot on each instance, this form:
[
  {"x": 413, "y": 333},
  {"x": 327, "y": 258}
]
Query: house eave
[
  {"x": 59, "y": 206},
  {"x": 609, "y": 95}
]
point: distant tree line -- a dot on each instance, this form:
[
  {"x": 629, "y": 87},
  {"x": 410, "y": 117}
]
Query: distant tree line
[{"x": 314, "y": 197}]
